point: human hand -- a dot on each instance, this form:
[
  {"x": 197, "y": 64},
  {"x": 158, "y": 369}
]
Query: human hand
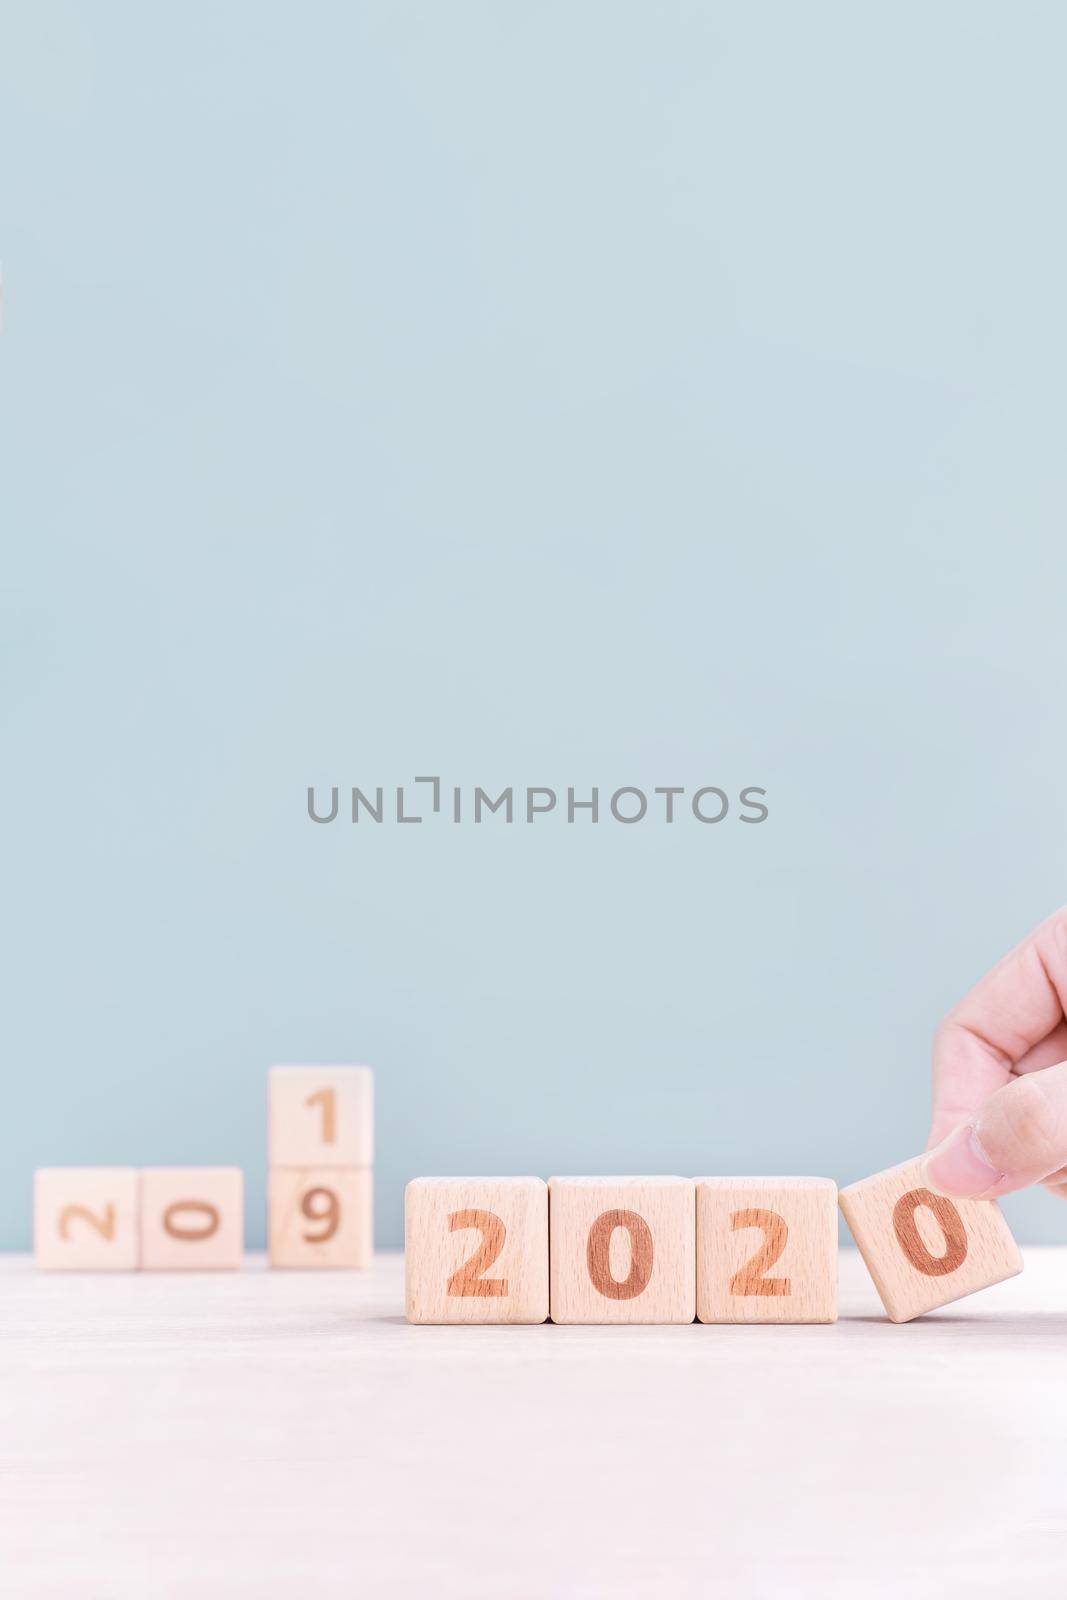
[{"x": 1000, "y": 1076}]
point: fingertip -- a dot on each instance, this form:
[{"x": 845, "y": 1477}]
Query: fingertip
[{"x": 958, "y": 1167}]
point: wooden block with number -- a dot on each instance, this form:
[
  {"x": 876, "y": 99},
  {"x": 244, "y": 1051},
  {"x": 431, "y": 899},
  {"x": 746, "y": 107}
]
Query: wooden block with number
[
  {"x": 924, "y": 1250},
  {"x": 321, "y": 1217},
  {"x": 192, "y": 1218},
  {"x": 622, "y": 1249},
  {"x": 476, "y": 1249},
  {"x": 86, "y": 1219},
  {"x": 766, "y": 1250},
  {"x": 320, "y": 1117}
]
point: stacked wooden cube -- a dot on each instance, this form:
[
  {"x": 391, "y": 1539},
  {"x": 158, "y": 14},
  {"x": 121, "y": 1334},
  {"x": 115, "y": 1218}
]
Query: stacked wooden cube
[
  {"x": 668, "y": 1250},
  {"x": 321, "y": 1160}
]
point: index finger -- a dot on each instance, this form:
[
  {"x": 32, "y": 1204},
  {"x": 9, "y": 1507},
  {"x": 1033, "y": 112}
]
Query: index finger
[{"x": 1004, "y": 1018}]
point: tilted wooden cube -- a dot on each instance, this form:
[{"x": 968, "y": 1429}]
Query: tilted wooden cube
[
  {"x": 924, "y": 1250},
  {"x": 476, "y": 1249},
  {"x": 86, "y": 1219},
  {"x": 766, "y": 1250},
  {"x": 622, "y": 1249},
  {"x": 320, "y": 1117},
  {"x": 321, "y": 1216},
  {"x": 192, "y": 1218}
]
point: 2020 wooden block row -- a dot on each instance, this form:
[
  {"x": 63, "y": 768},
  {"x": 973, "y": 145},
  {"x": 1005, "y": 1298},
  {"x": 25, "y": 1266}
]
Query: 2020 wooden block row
[{"x": 666, "y": 1250}]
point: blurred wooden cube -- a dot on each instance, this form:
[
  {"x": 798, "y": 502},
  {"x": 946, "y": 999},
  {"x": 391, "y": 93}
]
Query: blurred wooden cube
[
  {"x": 320, "y": 1117},
  {"x": 86, "y": 1219},
  {"x": 192, "y": 1218},
  {"x": 321, "y": 1216}
]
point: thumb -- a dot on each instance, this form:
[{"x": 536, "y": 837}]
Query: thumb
[{"x": 1016, "y": 1137}]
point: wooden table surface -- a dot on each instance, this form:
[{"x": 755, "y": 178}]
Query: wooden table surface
[{"x": 287, "y": 1434}]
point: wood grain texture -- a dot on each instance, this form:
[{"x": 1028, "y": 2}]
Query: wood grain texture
[
  {"x": 192, "y": 1218},
  {"x": 622, "y": 1250},
  {"x": 476, "y": 1250},
  {"x": 86, "y": 1219},
  {"x": 287, "y": 1435},
  {"x": 766, "y": 1249},
  {"x": 924, "y": 1251},
  {"x": 320, "y": 1117},
  {"x": 320, "y": 1216}
]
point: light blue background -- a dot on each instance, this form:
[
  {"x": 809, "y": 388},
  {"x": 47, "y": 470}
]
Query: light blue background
[{"x": 559, "y": 393}]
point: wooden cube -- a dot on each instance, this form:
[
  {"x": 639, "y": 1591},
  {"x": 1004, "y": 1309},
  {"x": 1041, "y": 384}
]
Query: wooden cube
[
  {"x": 320, "y": 1117},
  {"x": 622, "y": 1249},
  {"x": 86, "y": 1219},
  {"x": 766, "y": 1250},
  {"x": 321, "y": 1216},
  {"x": 476, "y": 1249},
  {"x": 924, "y": 1250},
  {"x": 192, "y": 1218}
]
